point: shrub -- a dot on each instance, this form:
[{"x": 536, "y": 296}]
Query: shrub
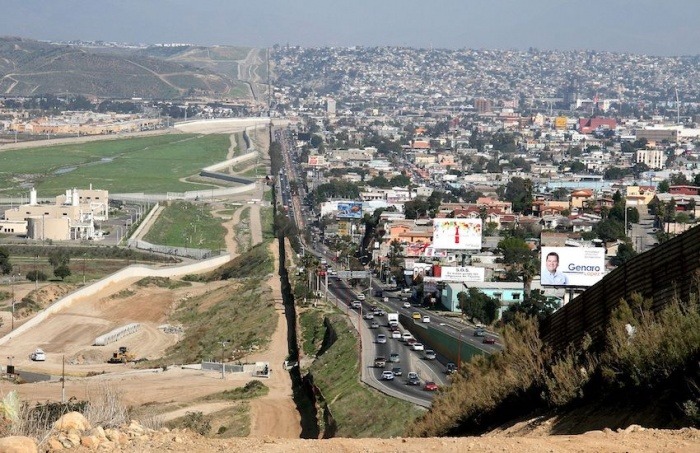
[
  {"x": 33, "y": 276},
  {"x": 196, "y": 422}
]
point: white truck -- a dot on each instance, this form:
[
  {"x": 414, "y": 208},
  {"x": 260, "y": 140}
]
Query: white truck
[
  {"x": 393, "y": 319},
  {"x": 38, "y": 355}
]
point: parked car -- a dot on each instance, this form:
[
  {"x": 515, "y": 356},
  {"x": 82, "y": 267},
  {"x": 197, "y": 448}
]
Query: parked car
[
  {"x": 417, "y": 346},
  {"x": 388, "y": 375},
  {"x": 394, "y": 357},
  {"x": 412, "y": 378},
  {"x": 381, "y": 338},
  {"x": 429, "y": 354},
  {"x": 397, "y": 371},
  {"x": 489, "y": 340},
  {"x": 430, "y": 386},
  {"x": 380, "y": 362}
]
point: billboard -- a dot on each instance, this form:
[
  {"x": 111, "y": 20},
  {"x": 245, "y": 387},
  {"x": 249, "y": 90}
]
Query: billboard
[
  {"x": 462, "y": 234},
  {"x": 462, "y": 274},
  {"x": 350, "y": 209},
  {"x": 572, "y": 266}
]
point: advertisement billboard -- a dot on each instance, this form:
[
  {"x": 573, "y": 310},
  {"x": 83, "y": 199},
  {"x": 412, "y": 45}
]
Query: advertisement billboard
[
  {"x": 462, "y": 274},
  {"x": 572, "y": 266},
  {"x": 462, "y": 234},
  {"x": 350, "y": 209}
]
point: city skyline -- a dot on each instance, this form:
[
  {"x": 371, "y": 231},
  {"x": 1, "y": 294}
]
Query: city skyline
[{"x": 630, "y": 26}]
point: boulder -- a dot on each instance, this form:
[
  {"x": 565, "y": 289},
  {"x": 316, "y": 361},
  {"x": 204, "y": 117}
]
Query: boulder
[
  {"x": 18, "y": 444},
  {"x": 72, "y": 420}
]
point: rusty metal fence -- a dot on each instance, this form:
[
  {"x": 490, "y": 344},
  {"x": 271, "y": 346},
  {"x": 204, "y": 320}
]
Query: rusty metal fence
[{"x": 667, "y": 271}]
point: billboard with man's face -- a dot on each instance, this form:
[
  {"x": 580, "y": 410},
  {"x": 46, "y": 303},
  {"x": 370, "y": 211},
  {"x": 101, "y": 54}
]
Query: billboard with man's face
[
  {"x": 461, "y": 234},
  {"x": 572, "y": 266},
  {"x": 350, "y": 209}
]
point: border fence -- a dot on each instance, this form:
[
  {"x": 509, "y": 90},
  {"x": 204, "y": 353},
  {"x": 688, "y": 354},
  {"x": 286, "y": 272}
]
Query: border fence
[{"x": 660, "y": 274}]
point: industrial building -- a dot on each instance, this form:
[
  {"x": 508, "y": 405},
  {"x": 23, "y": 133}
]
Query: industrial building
[{"x": 71, "y": 217}]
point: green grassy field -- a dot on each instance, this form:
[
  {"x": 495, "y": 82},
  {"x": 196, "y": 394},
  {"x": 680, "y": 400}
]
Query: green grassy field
[
  {"x": 146, "y": 164},
  {"x": 183, "y": 224}
]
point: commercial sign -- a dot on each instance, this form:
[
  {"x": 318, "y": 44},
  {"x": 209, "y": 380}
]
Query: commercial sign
[
  {"x": 353, "y": 274},
  {"x": 315, "y": 161},
  {"x": 572, "y": 266},
  {"x": 462, "y": 274},
  {"x": 462, "y": 234},
  {"x": 350, "y": 209}
]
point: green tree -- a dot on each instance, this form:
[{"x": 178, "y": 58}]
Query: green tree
[
  {"x": 536, "y": 305},
  {"x": 520, "y": 260},
  {"x": 316, "y": 141},
  {"x": 664, "y": 186},
  {"x": 625, "y": 252},
  {"x": 477, "y": 305},
  {"x": 5, "y": 264},
  {"x": 519, "y": 192},
  {"x": 609, "y": 230},
  {"x": 59, "y": 257},
  {"x": 400, "y": 181},
  {"x": 62, "y": 271}
]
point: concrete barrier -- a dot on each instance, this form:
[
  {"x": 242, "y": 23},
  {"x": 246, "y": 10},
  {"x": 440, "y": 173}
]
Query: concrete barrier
[{"x": 133, "y": 271}]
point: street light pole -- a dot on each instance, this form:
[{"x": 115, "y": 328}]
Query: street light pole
[{"x": 459, "y": 348}]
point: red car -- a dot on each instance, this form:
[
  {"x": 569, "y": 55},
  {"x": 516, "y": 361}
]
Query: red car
[
  {"x": 489, "y": 340},
  {"x": 430, "y": 386}
]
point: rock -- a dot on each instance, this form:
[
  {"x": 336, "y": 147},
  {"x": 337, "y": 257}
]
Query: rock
[
  {"x": 18, "y": 444},
  {"x": 54, "y": 444},
  {"x": 91, "y": 442},
  {"x": 73, "y": 437},
  {"x": 72, "y": 420},
  {"x": 112, "y": 434},
  {"x": 98, "y": 432},
  {"x": 633, "y": 429}
]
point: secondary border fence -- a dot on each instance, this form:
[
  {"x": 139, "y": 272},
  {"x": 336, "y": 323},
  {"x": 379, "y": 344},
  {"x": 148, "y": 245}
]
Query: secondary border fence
[
  {"x": 660, "y": 274},
  {"x": 186, "y": 252}
]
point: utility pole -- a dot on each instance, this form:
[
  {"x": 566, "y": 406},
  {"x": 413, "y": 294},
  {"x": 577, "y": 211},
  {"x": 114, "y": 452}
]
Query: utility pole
[
  {"x": 12, "y": 285},
  {"x": 223, "y": 367},
  {"x": 63, "y": 381}
]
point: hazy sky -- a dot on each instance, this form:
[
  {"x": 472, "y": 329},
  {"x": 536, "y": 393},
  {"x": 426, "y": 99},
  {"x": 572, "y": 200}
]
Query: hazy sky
[{"x": 658, "y": 27}]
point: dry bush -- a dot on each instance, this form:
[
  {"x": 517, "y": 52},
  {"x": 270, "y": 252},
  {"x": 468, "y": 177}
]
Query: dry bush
[
  {"x": 106, "y": 408},
  {"x": 485, "y": 382},
  {"x": 659, "y": 346}
]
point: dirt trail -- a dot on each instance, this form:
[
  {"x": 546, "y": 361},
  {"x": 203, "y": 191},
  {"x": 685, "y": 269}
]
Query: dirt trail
[{"x": 275, "y": 414}]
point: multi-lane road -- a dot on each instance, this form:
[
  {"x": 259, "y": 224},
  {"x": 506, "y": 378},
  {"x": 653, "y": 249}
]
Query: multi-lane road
[{"x": 428, "y": 370}]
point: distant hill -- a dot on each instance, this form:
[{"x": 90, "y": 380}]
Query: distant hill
[{"x": 29, "y": 67}]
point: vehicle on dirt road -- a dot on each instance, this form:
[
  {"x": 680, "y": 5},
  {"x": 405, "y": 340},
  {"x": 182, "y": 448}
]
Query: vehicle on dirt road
[{"x": 121, "y": 356}]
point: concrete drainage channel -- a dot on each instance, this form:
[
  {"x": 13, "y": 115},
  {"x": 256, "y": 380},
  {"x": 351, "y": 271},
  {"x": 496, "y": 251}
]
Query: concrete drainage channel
[{"x": 302, "y": 390}]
